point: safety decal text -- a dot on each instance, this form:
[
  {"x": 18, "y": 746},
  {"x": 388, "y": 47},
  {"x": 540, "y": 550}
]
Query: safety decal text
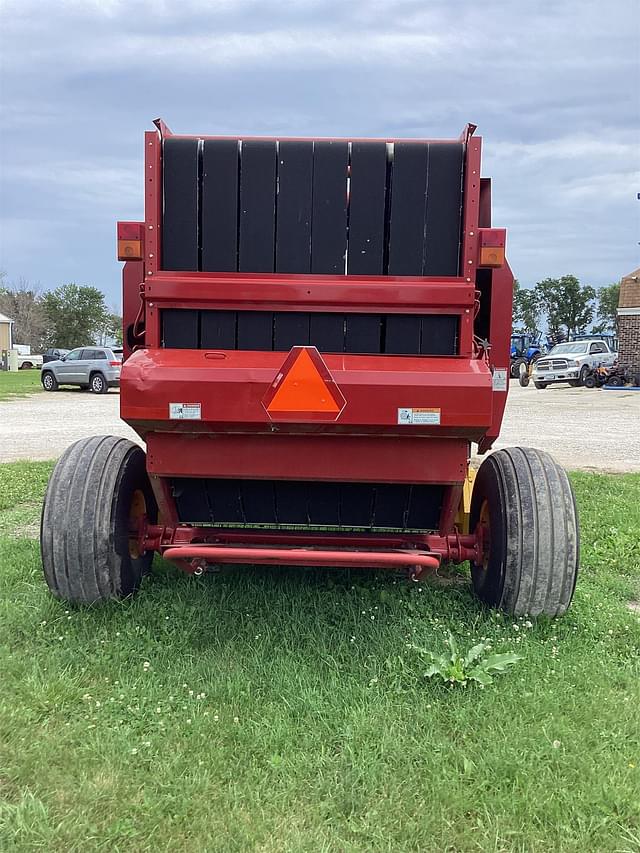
[
  {"x": 499, "y": 379},
  {"x": 419, "y": 416}
]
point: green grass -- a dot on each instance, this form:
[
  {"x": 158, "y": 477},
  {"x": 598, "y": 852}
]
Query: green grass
[
  {"x": 282, "y": 710},
  {"x": 19, "y": 383}
]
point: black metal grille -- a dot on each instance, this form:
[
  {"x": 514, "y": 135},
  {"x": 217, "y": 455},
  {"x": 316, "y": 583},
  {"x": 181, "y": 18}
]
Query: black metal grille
[
  {"x": 290, "y": 504},
  {"x": 393, "y": 334},
  {"x": 312, "y": 206}
]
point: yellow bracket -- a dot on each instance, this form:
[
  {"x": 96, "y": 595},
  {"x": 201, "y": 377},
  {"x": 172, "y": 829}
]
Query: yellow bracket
[{"x": 464, "y": 510}]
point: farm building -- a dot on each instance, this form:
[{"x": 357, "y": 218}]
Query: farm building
[
  {"x": 6, "y": 325},
  {"x": 629, "y": 321}
]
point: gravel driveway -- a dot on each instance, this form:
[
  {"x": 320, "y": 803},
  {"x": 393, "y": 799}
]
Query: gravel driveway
[{"x": 590, "y": 430}]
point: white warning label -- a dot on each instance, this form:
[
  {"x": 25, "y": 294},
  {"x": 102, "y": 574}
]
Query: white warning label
[
  {"x": 184, "y": 411},
  {"x": 500, "y": 379},
  {"x": 419, "y": 416}
]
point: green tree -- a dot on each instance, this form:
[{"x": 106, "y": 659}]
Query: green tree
[
  {"x": 608, "y": 298},
  {"x": 112, "y": 330},
  {"x": 567, "y": 305},
  {"x": 23, "y": 303},
  {"x": 526, "y": 309},
  {"x": 76, "y": 315}
]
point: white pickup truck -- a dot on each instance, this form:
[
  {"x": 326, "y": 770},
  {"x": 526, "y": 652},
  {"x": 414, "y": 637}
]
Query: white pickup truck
[
  {"x": 26, "y": 360},
  {"x": 571, "y": 362}
]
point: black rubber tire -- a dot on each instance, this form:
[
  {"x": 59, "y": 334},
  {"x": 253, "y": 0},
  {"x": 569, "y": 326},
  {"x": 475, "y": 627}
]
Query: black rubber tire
[
  {"x": 584, "y": 372},
  {"x": 515, "y": 367},
  {"x": 575, "y": 383},
  {"x": 540, "y": 385},
  {"x": 84, "y": 531},
  {"x": 590, "y": 381},
  {"x": 26, "y": 365},
  {"x": 532, "y": 562},
  {"x": 524, "y": 380},
  {"x": 47, "y": 378},
  {"x": 615, "y": 381},
  {"x": 98, "y": 384}
]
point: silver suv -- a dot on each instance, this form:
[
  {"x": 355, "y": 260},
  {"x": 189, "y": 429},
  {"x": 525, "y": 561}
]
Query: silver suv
[{"x": 95, "y": 368}]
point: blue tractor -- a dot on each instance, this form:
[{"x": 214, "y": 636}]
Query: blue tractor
[{"x": 525, "y": 349}]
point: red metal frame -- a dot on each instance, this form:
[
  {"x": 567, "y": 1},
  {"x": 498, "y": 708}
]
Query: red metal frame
[
  {"x": 235, "y": 438},
  {"x": 195, "y": 547}
]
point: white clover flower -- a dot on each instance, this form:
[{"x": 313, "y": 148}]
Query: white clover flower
[{"x": 556, "y": 744}]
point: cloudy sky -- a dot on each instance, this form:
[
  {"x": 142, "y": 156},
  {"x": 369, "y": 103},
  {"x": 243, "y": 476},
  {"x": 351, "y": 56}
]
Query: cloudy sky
[{"x": 552, "y": 86}]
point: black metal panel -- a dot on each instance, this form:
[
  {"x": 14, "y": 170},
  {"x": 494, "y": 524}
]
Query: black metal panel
[
  {"x": 329, "y": 218},
  {"x": 439, "y": 334},
  {"x": 323, "y": 504},
  {"x": 218, "y": 329},
  {"x": 367, "y": 208},
  {"x": 290, "y": 329},
  {"x": 219, "y": 237},
  {"x": 363, "y": 333},
  {"x": 424, "y": 507},
  {"x": 282, "y": 503},
  {"x": 291, "y": 502},
  {"x": 402, "y": 336},
  {"x": 408, "y": 208},
  {"x": 255, "y": 330},
  {"x": 356, "y": 503},
  {"x": 391, "y": 334},
  {"x": 257, "y": 206},
  {"x": 444, "y": 200},
  {"x": 293, "y": 219},
  {"x": 180, "y": 328},
  {"x": 258, "y": 502},
  {"x": 390, "y": 506},
  {"x": 224, "y": 500},
  {"x": 326, "y": 332},
  {"x": 180, "y": 217},
  {"x": 191, "y": 500}
]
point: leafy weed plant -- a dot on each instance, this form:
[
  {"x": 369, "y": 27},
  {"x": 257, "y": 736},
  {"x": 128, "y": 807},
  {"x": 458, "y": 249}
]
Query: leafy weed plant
[{"x": 456, "y": 668}]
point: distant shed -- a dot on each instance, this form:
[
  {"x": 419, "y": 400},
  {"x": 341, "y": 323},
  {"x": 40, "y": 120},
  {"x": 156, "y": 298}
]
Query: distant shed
[{"x": 6, "y": 339}]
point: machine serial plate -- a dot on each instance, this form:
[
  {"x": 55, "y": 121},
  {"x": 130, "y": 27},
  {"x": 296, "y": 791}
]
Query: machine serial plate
[{"x": 184, "y": 412}]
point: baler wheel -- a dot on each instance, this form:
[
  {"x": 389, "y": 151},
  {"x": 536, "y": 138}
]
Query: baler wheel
[
  {"x": 524, "y": 508},
  {"x": 97, "y": 490}
]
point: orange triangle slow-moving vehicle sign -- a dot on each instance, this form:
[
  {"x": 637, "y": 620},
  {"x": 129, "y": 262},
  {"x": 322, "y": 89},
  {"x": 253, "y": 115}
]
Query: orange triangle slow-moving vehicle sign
[{"x": 303, "y": 389}]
